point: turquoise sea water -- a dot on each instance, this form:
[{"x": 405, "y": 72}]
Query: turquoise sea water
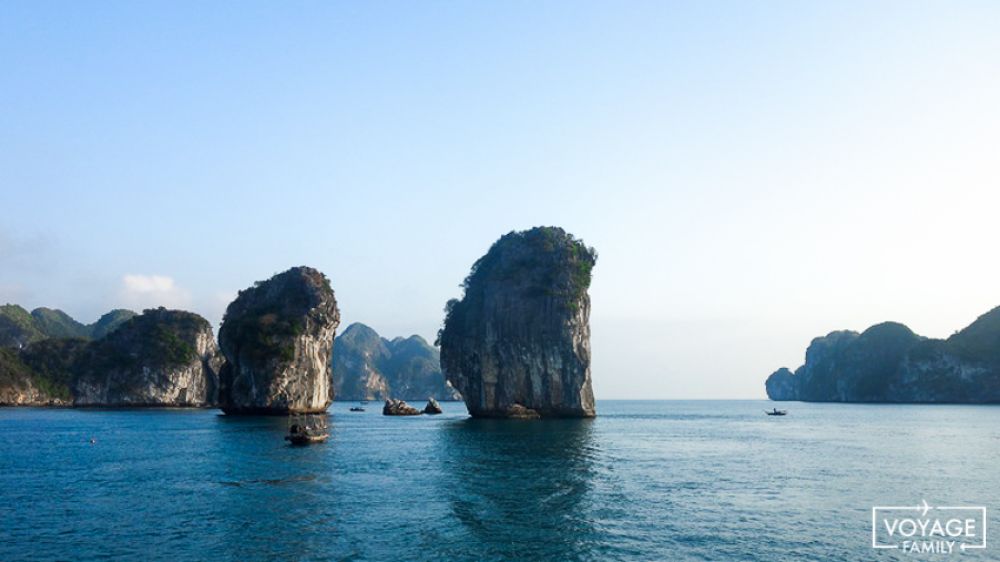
[{"x": 656, "y": 480}]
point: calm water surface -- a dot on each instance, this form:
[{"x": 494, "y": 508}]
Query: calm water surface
[{"x": 659, "y": 480}]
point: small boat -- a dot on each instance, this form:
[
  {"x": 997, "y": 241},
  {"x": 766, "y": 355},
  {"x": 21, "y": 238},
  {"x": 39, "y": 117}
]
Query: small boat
[
  {"x": 305, "y": 430},
  {"x": 357, "y": 409},
  {"x": 776, "y": 412}
]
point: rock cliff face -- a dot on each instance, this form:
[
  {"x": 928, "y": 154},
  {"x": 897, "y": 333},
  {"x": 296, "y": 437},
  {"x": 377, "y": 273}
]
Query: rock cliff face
[
  {"x": 159, "y": 358},
  {"x": 277, "y": 338},
  {"x": 889, "y": 363},
  {"x": 518, "y": 343},
  {"x": 369, "y": 367}
]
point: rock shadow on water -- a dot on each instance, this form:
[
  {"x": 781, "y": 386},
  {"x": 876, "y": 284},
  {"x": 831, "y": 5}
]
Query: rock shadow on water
[{"x": 520, "y": 488}]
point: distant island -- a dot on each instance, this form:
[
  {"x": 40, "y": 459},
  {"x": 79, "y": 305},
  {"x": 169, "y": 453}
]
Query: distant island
[
  {"x": 889, "y": 363},
  {"x": 367, "y": 366}
]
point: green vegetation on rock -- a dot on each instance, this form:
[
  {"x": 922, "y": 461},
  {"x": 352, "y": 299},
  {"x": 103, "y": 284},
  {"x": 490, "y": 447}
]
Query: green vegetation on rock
[
  {"x": 17, "y": 327},
  {"x": 110, "y": 322},
  {"x": 156, "y": 338},
  {"x": 58, "y": 324},
  {"x": 53, "y": 363}
]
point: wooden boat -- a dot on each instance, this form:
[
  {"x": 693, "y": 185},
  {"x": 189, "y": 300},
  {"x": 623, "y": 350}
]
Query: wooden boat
[
  {"x": 776, "y": 412},
  {"x": 357, "y": 409},
  {"x": 306, "y": 430}
]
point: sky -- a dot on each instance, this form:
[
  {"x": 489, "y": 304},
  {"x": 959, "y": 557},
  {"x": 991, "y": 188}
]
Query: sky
[{"x": 752, "y": 174}]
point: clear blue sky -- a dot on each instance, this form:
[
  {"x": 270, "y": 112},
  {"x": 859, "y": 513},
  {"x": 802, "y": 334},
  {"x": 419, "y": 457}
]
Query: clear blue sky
[{"x": 753, "y": 174}]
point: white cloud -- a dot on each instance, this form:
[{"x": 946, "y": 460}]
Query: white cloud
[
  {"x": 148, "y": 283},
  {"x": 150, "y": 291}
]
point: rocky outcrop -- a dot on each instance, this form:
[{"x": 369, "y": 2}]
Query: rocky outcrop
[
  {"x": 277, "y": 338},
  {"x": 395, "y": 407},
  {"x": 518, "y": 343},
  {"x": 432, "y": 407},
  {"x": 159, "y": 358},
  {"x": 367, "y": 366},
  {"x": 889, "y": 363}
]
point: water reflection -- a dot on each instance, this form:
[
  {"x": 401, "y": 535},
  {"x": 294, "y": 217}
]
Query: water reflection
[{"x": 519, "y": 487}]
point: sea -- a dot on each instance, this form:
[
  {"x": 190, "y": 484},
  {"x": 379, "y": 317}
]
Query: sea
[{"x": 645, "y": 480}]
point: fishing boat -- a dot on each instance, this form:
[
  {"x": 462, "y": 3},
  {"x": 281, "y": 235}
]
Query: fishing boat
[
  {"x": 357, "y": 409},
  {"x": 306, "y": 429},
  {"x": 776, "y": 412}
]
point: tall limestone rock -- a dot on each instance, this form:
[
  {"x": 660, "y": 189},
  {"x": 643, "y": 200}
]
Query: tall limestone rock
[
  {"x": 518, "y": 343},
  {"x": 158, "y": 358},
  {"x": 277, "y": 338}
]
